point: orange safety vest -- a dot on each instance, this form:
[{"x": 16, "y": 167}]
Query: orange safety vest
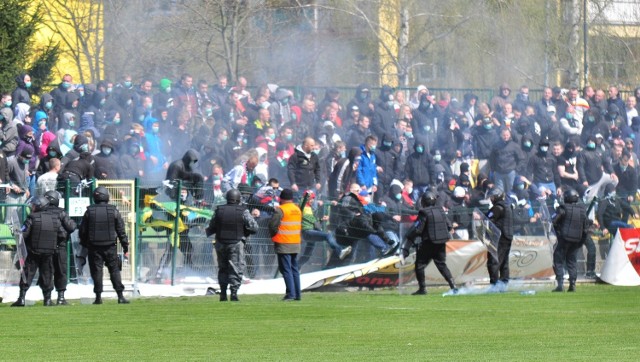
[{"x": 290, "y": 225}]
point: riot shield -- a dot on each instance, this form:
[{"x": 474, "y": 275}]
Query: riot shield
[{"x": 486, "y": 232}]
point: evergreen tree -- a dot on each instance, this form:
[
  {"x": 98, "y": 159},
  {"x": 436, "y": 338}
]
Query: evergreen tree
[{"x": 18, "y": 24}]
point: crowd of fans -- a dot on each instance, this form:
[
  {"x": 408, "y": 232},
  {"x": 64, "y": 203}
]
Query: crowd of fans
[{"x": 383, "y": 149}]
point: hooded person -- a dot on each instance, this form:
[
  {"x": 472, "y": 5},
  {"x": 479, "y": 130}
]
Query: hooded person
[
  {"x": 97, "y": 108},
  {"x": 81, "y": 166},
  {"x": 131, "y": 165},
  {"x": 8, "y": 132},
  {"x": 384, "y": 114},
  {"x": 280, "y": 110},
  {"x": 185, "y": 169},
  {"x": 154, "y": 150},
  {"x": 21, "y": 93},
  {"x": 42, "y": 134},
  {"x": 498, "y": 101},
  {"x": 417, "y": 169},
  {"x": 107, "y": 166},
  {"x": 46, "y": 105},
  {"x": 21, "y": 112},
  {"x": 163, "y": 98},
  {"x": 87, "y": 123},
  {"x": 362, "y": 99},
  {"x": 388, "y": 160}
]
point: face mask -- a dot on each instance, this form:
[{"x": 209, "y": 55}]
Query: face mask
[
  {"x": 48, "y": 105},
  {"x": 27, "y": 84},
  {"x": 387, "y": 144},
  {"x": 155, "y": 129},
  {"x": 109, "y": 90},
  {"x": 343, "y": 154},
  {"x": 208, "y": 112},
  {"x": 25, "y": 161},
  {"x": 52, "y": 153},
  {"x": 544, "y": 149},
  {"x": 8, "y": 104},
  {"x": 127, "y": 84},
  {"x": 116, "y": 120},
  {"x": 72, "y": 123},
  {"x": 289, "y": 137},
  {"x": 520, "y": 187},
  {"x": 623, "y": 168},
  {"x": 316, "y": 151},
  {"x": 612, "y": 195},
  {"x": 134, "y": 150},
  {"x": 372, "y": 148},
  {"x": 224, "y": 138},
  {"x": 591, "y": 118},
  {"x": 591, "y": 145},
  {"x": 427, "y": 128},
  {"x": 272, "y": 136},
  {"x": 390, "y": 104},
  {"x": 106, "y": 151},
  {"x": 362, "y": 96},
  {"x": 66, "y": 85},
  {"x": 437, "y": 158},
  {"x": 527, "y": 144},
  {"x": 84, "y": 148},
  {"x": 420, "y": 149},
  {"x": 168, "y": 90},
  {"x": 264, "y": 105},
  {"x": 487, "y": 126},
  {"x": 408, "y": 134},
  {"x": 149, "y": 106},
  {"x": 102, "y": 102},
  {"x": 398, "y": 197},
  {"x": 283, "y": 163},
  {"x": 285, "y": 101},
  {"x": 569, "y": 116},
  {"x": 614, "y": 116}
]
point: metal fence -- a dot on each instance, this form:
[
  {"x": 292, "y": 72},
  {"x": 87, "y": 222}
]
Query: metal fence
[{"x": 169, "y": 245}]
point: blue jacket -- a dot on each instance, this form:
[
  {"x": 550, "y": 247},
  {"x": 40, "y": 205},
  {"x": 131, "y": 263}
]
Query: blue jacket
[{"x": 366, "y": 174}]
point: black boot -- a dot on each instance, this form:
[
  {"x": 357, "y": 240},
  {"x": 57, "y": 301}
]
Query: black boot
[
  {"x": 420, "y": 291},
  {"x": 47, "y": 299},
  {"x": 452, "y": 285},
  {"x": 560, "y": 287},
  {"x": 223, "y": 293},
  {"x": 61, "y": 300},
  {"x": 234, "y": 295},
  {"x": 98, "y": 299},
  {"x": 572, "y": 286},
  {"x": 121, "y": 298},
  {"x": 20, "y": 301}
]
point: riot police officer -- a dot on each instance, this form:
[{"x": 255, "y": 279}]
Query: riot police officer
[
  {"x": 433, "y": 228},
  {"x": 502, "y": 216},
  {"x": 60, "y": 254},
  {"x": 571, "y": 225},
  {"x": 100, "y": 227},
  {"x": 40, "y": 232},
  {"x": 232, "y": 224}
]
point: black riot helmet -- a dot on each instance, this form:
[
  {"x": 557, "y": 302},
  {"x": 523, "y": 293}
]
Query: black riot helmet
[
  {"x": 38, "y": 203},
  {"x": 100, "y": 195},
  {"x": 496, "y": 194},
  {"x": 571, "y": 196},
  {"x": 428, "y": 199},
  {"x": 53, "y": 196},
  {"x": 233, "y": 196}
]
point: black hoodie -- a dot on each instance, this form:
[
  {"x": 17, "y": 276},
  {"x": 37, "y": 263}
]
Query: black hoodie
[
  {"x": 20, "y": 94},
  {"x": 384, "y": 116},
  {"x": 362, "y": 99},
  {"x": 387, "y": 158}
]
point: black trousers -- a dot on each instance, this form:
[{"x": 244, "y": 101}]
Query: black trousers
[
  {"x": 60, "y": 268},
  {"x": 499, "y": 269},
  {"x": 566, "y": 252},
  {"x": 428, "y": 251},
  {"x": 38, "y": 262},
  {"x": 99, "y": 256}
]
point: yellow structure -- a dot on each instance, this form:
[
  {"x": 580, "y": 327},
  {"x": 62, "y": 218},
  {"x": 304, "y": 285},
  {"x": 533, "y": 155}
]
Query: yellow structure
[
  {"x": 77, "y": 26},
  {"x": 388, "y": 32}
]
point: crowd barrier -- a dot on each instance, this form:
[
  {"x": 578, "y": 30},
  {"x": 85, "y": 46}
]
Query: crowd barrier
[{"x": 169, "y": 244}]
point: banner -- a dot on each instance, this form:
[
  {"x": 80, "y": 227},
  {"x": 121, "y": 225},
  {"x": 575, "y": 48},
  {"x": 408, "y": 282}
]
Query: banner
[
  {"x": 530, "y": 258},
  {"x": 622, "y": 266}
]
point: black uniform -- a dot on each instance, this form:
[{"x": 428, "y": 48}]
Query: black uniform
[
  {"x": 433, "y": 228},
  {"x": 60, "y": 253},
  {"x": 502, "y": 216},
  {"x": 232, "y": 224},
  {"x": 40, "y": 232},
  {"x": 101, "y": 225},
  {"x": 571, "y": 225}
]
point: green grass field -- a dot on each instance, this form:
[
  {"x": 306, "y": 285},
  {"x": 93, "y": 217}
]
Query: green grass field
[{"x": 598, "y": 323}]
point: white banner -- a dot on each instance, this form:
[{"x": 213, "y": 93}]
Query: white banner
[{"x": 623, "y": 262}]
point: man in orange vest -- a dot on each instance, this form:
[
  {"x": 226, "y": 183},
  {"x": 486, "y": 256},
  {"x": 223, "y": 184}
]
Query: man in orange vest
[{"x": 285, "y": 227}]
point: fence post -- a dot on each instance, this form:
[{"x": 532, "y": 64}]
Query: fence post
[
  {"x": 67, "y": 191},
  {"x": 176, "y": 233},
  {"x": 138, "y": 234}
]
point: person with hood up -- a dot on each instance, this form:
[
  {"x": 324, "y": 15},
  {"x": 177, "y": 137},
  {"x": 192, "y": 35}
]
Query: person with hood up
[
  {"x": 26, "y": 134},
  {"x": 21, "y": 114},
  {"x": 96, "y": 109},
  {"x": 594, "y": 170},
  {"x": 107, "y": 163},
  {"x": 343, "y": 174},
  {"x": 21, "y": 93},
  {"x": 498, "y": 101},
  {"x": 8, "y": 132},
  {"x": 542, "y": 169},
  {"x": 280, "y": 110},
  {"x": 163, "y": 98},
  {"x": 42, "y": 134},
  {"x": 611, "y": 211},
  {"x": 303, "y": 168},
  {"x": 78, "y": 164},
  {"x": 46, "y": 106},
  {"x": 384, "y": 115},
  {"x": 185, "y": 169},
  {"x": 362, "y": 100},
  {"x": 417, "y": 169},
  {"x": 154, "y": 150},
  {"x": 130, "y": 163},
  {"x": 52, "y": 151},
  {"x": 389, "y": 162}
]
